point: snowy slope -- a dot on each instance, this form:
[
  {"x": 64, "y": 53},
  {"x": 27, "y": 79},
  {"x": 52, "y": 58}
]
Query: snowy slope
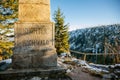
[{"x": 91, "y": 40}]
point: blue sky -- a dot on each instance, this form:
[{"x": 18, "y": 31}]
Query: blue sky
[{"x": 88, "y": 13}]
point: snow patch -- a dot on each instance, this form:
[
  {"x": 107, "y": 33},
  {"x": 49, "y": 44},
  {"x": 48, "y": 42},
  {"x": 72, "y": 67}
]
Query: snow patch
[{"x": 7, "y": 61}]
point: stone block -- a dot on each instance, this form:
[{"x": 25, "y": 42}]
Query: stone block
[
  {"x": 49, "y": 59},
  {"x": 34, "y": 1},
  {"x": 32, "y": 37},
  {"x": 42, "y": 59},
  {"x": 34, "y": 45},
  {"x": 34, "y": 12},
  {"x": 21, "y": 61}
]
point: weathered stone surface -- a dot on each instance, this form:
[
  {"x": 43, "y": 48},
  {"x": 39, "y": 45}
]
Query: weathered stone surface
[
  {"x": 34, "y": 36},
  {"x": 34, "y": 12},
  {"x": 48, "y": 59},
  {"x": 35, "y": 1},
  {"x": 21, "y": 61},
  {"x": 34, "y": 45},
  {"x": 27, "y": 74}
]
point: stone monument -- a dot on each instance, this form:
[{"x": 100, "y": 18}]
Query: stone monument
[
  {"x": 34, "y": 52},
  {"x": 34, "y": 36}
]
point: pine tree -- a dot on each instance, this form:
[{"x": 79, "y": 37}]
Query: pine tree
[
  {"x": 8, "y": 10},
  {"x": 8, "y": 15},
  {"x": 61, "y": 33}
]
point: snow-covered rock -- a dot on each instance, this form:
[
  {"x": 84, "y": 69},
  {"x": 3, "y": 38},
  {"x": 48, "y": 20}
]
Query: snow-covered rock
[
  {"x": 68, "y": 71},
  {"x": 117, "y": 65},
  {"x": 35, "y": 78},
  {"x": 63, "y": 54}
]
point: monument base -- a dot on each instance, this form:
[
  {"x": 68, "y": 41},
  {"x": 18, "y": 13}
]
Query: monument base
[
  {"x": 29, "y": 74},
  {"x": 34, "y": 45},
  {"x": 26, "y": 61}
]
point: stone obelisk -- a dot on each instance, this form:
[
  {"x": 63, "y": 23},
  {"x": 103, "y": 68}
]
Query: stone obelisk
[{"x": 34, "y": 36}]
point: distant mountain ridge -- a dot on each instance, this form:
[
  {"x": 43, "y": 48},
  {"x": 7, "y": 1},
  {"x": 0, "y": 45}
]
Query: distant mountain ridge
[{"x": 92, "y": 40}]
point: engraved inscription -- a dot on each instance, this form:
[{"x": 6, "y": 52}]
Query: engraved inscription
[
  {"x": 33, "y": 35},
  {"x": 34, "y": 43}
]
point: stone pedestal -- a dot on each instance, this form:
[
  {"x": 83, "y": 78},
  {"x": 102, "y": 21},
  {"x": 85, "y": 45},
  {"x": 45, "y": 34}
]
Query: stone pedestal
[
  {"x": 34, "y": 52},
  {"x": 34, "y": 36},
  {"x": 57, "y": 73}
]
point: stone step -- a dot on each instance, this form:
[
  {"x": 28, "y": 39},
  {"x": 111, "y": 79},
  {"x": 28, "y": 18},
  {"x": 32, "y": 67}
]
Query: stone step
[{"x": 15, "y": 74}]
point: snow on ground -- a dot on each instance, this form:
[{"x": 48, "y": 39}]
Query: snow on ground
[
  {"x": 7, "y": 61},
  {"x": 91, "y": 68},
  {"x": 72, "y": 63},
  {"x": 117, "y": 65}
]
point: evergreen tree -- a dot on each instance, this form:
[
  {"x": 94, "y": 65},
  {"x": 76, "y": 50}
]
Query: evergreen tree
[
  {"x": 61, "y": 33},
  {"x": 8, "y": 11},
  {"x": 8, "y": 15}
]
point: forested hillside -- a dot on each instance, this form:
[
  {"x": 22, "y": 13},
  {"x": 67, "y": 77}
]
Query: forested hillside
[{"x": 98, "y": 39}]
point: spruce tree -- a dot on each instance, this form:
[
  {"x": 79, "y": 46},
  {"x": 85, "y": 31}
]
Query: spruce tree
[
  {"x": 61, "y": 33},
  {"x": 8, "y": 15},
  {"x": 8, "y": 11}
]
